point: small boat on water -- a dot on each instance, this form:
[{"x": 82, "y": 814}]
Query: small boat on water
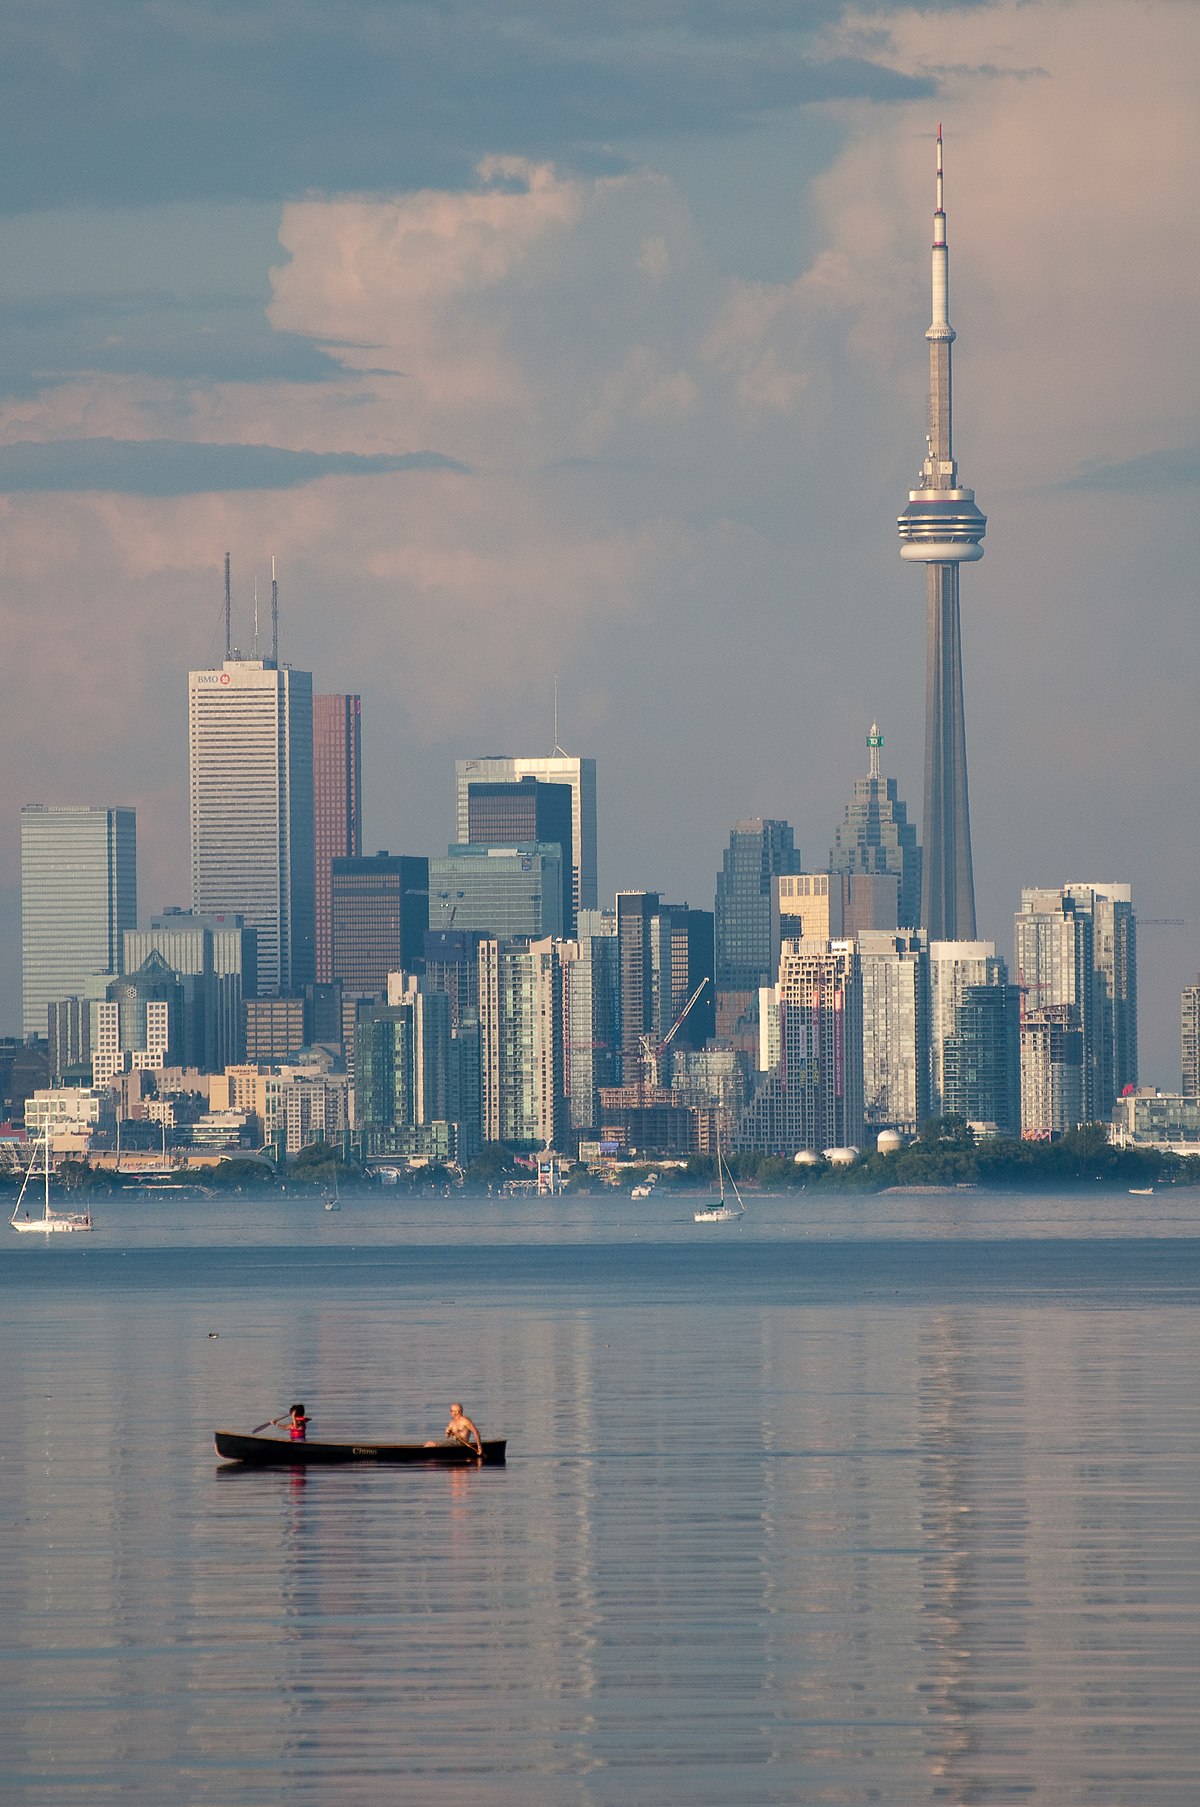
[
  {"x": 1141, "y": 1191},
  {"x": 722, "y": 1211},
  {"x": 50, "y": 1222},
  {"x": 276, "y": 1452},
  {"x": 332, "y": 1201}
]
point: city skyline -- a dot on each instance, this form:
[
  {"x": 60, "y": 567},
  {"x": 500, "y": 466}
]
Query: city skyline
[{"x": 684, "y": 508}]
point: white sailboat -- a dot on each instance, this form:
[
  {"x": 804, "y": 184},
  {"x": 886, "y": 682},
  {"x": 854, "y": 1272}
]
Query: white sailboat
[
  {"x": 50, "y": 1222},
  {"x": 722, "y": 1211}
]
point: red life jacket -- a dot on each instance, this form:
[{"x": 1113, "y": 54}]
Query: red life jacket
[{"x": 299, "y": 1430}]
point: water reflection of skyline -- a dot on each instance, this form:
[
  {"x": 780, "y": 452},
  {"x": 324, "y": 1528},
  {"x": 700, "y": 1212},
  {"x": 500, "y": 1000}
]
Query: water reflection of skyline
[{"x": 747, "y": 1549}]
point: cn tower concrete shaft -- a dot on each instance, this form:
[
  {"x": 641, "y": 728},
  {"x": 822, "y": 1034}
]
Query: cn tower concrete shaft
[{"x": 942, "y": 528}]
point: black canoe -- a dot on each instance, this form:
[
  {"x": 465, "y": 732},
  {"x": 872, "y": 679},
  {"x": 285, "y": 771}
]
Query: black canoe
[{"x": 275, "y": 1452}]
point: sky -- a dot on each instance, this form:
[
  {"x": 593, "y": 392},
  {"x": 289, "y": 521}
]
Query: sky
[{"x": 586, "y": 342}]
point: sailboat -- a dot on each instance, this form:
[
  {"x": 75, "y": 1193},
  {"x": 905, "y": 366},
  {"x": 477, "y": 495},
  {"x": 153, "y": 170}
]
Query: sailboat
[
  {"x": 50, "y": 1222},
  {"x": 722, "y": 1211},
  {"x": 332, "y": 1201}
]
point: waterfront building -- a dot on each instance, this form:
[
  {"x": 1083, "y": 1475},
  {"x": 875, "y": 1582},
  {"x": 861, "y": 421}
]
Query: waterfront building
[
  {"x": 556, "y": 768},
  {"x": 521, "y": 1043},
  {"x": 876, "y": 841},
  {"x": 942, "y": 528},
  {"x": 528, "y": 811},
  {"x": 299, "y": 1106},
  {"x": 78, "y": 896},
  {"x": 250, "y": 745},
  {"x": 1053, "y": 1071},
  {"x": 337, "y": 808},
  {"x": 504, "y": 892},
  {"x": 591, "y": 1014},
  {"x": 416, "y": 1077},
  {"x": 953, "y": 965},
  {"x": 759, "y": 851},
  {"x": 1189, "y": 1038},
  {"x": 1076, "y": 948},
  {"x": 1113, "y": 1056},
  {"x": 813, "y": 1096},
  {"x": 1164, "y": 1120},
  {"x": 895, "y": 1029},
  {"x": 379, "y": 912},
  {"x": 981, "y": 1060}
]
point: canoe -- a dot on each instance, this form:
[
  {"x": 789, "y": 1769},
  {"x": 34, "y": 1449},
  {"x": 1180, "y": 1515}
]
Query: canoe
[{"x": 274, "y": 1452}]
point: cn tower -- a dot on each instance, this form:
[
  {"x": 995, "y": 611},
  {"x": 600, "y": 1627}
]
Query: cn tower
[{"x": 941, "y": 529}]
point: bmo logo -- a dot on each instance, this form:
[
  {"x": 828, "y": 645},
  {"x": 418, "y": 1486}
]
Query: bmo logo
[{"x": 224, "y": 677}]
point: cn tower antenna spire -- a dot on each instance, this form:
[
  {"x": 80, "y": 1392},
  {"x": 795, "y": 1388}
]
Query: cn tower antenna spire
[{"x": 942, "y": 528}]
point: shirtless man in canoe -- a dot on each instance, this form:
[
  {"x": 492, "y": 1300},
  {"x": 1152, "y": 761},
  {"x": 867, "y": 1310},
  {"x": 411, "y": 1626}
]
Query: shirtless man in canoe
[{"x": 461, "y": 1429}]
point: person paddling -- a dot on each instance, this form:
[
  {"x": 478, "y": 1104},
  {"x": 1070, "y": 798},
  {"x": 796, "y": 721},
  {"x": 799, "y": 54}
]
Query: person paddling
[
  {"x": 462, "y": 1429},
  {"x": 295, "y": 1424}
]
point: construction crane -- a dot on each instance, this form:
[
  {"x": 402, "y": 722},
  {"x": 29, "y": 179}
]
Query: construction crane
[{"x": 651, "y": 1055}]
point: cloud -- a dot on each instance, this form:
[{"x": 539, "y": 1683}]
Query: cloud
[
  {"x": 166, "y": 467},
  {"x": 1178, "y": 468},
  {"x": 132, "y": 100}
]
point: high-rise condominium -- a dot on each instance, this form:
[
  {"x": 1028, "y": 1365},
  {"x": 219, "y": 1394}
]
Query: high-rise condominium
[
  {"x": 953, "y": 966},
  {"x": 1076, "y": 951},
  {"x": 250, "y": 731},
  {"x": 555, "y": 768},
  {"x": 942, "y": 528},
  {"x": 813, "y": 1095},
  {"x": 521, "y": 1043},
  {"x": 876, "y": 837},
  {"x": 1189, "y": 1039},
  {"x": 337, "y": 807},
  {"x": 78, "y": 896},
  {"x": 895, "y": 1017}
]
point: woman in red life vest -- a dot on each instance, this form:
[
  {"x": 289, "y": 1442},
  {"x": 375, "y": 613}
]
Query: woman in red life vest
[{"x": 296, "y": 1423}]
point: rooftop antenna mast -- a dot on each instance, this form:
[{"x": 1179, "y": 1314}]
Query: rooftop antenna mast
[
  {"x": 558, "y": 750},
  {"x": 274, "y": 615},
  {"x": 228, "y": 613},
  {"x": 256, "y": 617}
]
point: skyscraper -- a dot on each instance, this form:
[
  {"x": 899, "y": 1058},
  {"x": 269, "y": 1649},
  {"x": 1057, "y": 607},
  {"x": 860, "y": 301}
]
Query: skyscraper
[
  {"x": 758, "y": 852},
  {"x": 502, "y": 891},
  {"x": 953, "y": 965},
  {"x": 1076, "y": 948},
  {"x": 251, "y": 809},
  {"x": 379, "y": 915},
  {"x": 521, "y": 1042},
  {"x": 1189, "y": 1038},
  {"x": 337, "y": 808},
  {"x": 895, "y": 1018},
  {"x": 555, "y": 768},
  {"x": 981, "y": 1062},
  {"x": 813, "y": 1095},
  {"x": 528, "y": 810},
  {"x": 942, "y": 528},
  {"x": 78, "y": 896},
  {"x": 876, "y": 836}
]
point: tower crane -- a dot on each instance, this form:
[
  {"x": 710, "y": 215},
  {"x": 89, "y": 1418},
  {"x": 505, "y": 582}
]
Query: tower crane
[{"x": 651, "y": 1055}]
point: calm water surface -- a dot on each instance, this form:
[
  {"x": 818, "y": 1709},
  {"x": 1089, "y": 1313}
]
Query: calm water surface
[{"x": 866, "y": 1500}]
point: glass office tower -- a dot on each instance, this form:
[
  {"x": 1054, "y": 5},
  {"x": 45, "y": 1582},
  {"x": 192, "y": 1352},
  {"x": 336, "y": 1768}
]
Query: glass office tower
[{"x": 78, "y": 896}]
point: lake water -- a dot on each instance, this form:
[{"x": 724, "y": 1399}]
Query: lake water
[{"x": 887, "y": 1500}]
